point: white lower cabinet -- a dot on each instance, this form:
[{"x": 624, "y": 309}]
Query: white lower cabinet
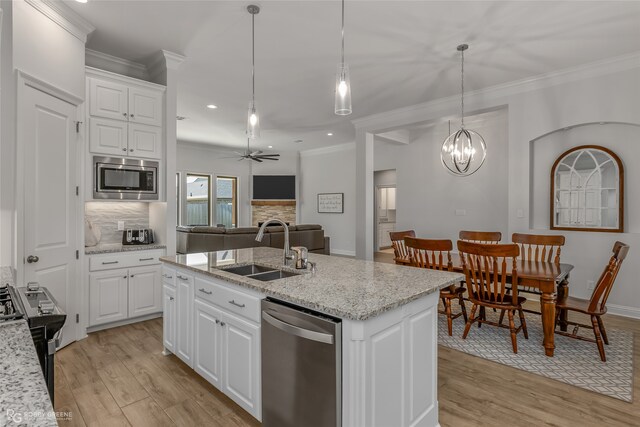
[
  {"x": 207, "y": 342},
  {"x": 217, "y": 333},
  {"x": 169, "y": 317},
  {"x": 184, "y": 317},
  {"x": 241, "y": 362},
  {"x": 108, "y": 296},
  {"x": 145, "y": 291}
]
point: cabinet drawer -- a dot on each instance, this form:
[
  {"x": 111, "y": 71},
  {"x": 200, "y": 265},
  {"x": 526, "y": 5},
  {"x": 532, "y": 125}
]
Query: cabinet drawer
[
  {"x": 124, "y": 260},
  {"x": 238, "y": 302},
  {"x": 231, "y": 300},
  {"x": 168, "y": 276}
]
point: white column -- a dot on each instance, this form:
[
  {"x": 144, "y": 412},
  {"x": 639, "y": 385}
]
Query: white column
[
  {"x": 162, "y": 216},
  {"x": 364, "y": 195}
]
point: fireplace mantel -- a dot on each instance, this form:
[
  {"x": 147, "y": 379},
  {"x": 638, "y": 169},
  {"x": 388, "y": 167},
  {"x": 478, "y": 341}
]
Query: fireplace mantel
[{"x": 273, "y": 202}]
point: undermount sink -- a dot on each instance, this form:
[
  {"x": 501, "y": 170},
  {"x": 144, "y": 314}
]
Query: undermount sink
[
  {"x": 260, "y": 272},
  {"x": 246, "y": 270}
]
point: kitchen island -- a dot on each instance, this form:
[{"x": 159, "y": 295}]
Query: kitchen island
[{"x": 389, "y": 328}]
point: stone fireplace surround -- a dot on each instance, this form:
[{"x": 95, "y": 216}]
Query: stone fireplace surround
[{"x": 262, "y": 210}]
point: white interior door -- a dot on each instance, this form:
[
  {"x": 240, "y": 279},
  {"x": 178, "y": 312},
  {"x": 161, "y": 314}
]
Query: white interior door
[{"x": 49, "y": 141}]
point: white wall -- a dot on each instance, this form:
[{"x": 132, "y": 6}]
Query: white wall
[
  {"x": 46, "y": 51},
  {"x": 213, "y": 160},
  {"x": 330, "y": 170}
]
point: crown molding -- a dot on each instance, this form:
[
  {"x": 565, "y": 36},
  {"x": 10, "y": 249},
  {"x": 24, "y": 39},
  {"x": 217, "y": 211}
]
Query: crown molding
[
  {"x": 46, "y": 87},
  {"x": 91, "y": 71},
  {"x": 405, "y": 115},
  {"x": 111, "y": 63},
  {"x": 328, "y": 150},
  {"x": 164, "y": 60},
  {"x": 64, "y": 17}
]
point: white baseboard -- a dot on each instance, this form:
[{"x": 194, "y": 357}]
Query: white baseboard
[
  {"x": 343, "y": 252},
  {"x": 91, "y": 329},
  {"x": 622, "y": 310}
]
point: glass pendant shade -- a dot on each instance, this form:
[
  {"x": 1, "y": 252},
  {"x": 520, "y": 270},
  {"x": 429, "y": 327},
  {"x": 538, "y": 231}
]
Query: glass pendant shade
[
  {"x": 343, "y": 91},
  {"x": 253, "y": 121},
  {"x": 463, "y": 152}
]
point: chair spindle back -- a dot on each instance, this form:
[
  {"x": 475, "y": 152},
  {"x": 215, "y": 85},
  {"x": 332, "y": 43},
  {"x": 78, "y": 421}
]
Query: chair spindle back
[
  {"x": 539, "y": 248},
  {"x": 430, "y": 253},
  {"x": 485, "y": 267},
  {"x": 484, "y": 237},
  {"x": 397, "y": 242}
]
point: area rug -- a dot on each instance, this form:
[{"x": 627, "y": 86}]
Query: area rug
[{"x": 575, "y": 362}]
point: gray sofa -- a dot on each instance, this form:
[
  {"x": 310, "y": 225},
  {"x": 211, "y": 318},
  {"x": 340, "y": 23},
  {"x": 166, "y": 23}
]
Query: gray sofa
[{"x": 206, "y": 239}]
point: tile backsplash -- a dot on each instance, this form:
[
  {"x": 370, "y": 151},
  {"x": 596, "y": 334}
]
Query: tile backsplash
[{"x": 106, "y": 215}]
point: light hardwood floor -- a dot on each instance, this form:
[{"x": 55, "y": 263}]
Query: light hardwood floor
[{"x": 118, "y": 377}]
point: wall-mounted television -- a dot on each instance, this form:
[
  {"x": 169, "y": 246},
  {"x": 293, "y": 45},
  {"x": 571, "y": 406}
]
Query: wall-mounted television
[{"x": 274, "y": 187}]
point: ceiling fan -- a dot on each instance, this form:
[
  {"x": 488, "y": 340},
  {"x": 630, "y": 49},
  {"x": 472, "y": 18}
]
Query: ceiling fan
[{"x": 255, "y": 155}]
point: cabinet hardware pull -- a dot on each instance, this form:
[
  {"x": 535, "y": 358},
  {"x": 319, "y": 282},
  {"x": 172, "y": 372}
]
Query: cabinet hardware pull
[
  {"x": 124, "y": 114},
  {"x": 109, "y": 262},
  {"x": 236, "y": 304},
  {"x": 170, "y": 298},
  {"x": 217, "y": 321},
  {"x": 204, "y": 291},
  {"x": 166, "y": 276},
  {"x": 131, "y": 149},
  {"x": 131, "y": 116},
  {"x": 131, "y": 275},
  {"x": 145, "y": 259},
  {"x": 124, "y": 277},
  {"x": 182, "y": 277},
  {"x": 124, "y": 149},
  {"x": 222, "y": 323}
]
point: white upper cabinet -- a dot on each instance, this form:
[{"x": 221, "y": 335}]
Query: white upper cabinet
[
  {"x": 107, "y": 136},
  {"x": 108, "y": 99},
  {"x": 145, "y": 107},
  {"x": 145, "y": 141},
  {"x": 126, "y": 116}
]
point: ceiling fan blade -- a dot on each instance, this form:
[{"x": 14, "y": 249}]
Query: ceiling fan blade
[
  {"x": 256, "y": 152},
  {"x": 268, "y": 155},
  {"x": 267, "y": 158},
  {"x": 256, "y": 159}
]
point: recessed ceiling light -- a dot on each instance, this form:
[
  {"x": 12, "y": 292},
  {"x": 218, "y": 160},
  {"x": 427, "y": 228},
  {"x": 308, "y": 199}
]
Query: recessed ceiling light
[
  {"x": 81, "y": 1},
  {"x": 298, "y": 141},
  {"x": 270, "y": 146},
  {"x": 212, "y": 107},
  {"x": 330, "y": 134}
]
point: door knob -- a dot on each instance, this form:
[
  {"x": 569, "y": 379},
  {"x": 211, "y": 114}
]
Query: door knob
[{"x": 32, "y": 258}]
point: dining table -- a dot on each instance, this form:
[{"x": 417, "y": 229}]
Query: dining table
[{"x": 549, "y": 278}]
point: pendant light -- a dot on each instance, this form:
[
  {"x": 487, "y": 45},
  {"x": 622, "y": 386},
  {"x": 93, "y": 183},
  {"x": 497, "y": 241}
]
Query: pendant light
[
  {"x": 343, "y": 85},
  {"x": 464, "y": 151},
  {"x": 253, "y": 120}
]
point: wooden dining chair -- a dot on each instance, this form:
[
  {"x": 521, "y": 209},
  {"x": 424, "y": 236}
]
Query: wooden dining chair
[
  {"x": 485, "y": 267},
  {"x": 436, "y": 255},
  {"x": 537, "y": 248},
  {"x": 399, "y": 250},
  {"x": 596, "y": 306},
  {"x": 485, "y": 237}
]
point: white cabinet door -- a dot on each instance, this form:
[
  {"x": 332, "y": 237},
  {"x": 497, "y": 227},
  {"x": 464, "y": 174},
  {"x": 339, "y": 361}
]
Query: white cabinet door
[
  {"x": 108, "y": 99},
  {"x": 107, "y": 136},
  {"x": 241, "y": 363},
  {"x": 145, "y": 141},
  {"x": 184, "y": 317},
  {"x": 169, "y": 318},
  {"x": 207, "y": 350},
  {"x": 145, "y": 291},
  {"x": 145, "y": 107},
  {"x": 107, "y": 297}
]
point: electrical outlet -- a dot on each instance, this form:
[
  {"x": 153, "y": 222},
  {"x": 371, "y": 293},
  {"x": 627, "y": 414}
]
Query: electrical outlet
[
  {"x": 590, "y": 285},
  {"x": 461, "y": 212},
  {"x": 120, "y": 225}
]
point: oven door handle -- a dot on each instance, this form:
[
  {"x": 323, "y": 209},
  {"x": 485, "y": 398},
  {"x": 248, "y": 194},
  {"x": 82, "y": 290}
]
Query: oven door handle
[{"x": 54, "y": 343}]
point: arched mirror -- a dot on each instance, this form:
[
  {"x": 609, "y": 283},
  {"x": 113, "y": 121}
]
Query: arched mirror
[{"x": 587, "y": 185}]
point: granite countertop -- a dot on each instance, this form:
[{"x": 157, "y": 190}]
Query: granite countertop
[
  {"x": 108, "y": 248},
  {"x": 24, "y": 399},
  {"x": 343, "y": 287}
]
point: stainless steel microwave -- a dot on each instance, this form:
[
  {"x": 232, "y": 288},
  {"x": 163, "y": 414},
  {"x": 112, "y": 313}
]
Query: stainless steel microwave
[{"x": 125, "y": 179}]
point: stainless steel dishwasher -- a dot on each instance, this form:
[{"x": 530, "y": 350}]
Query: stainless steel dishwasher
[{"x": 301, "y": 367}]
